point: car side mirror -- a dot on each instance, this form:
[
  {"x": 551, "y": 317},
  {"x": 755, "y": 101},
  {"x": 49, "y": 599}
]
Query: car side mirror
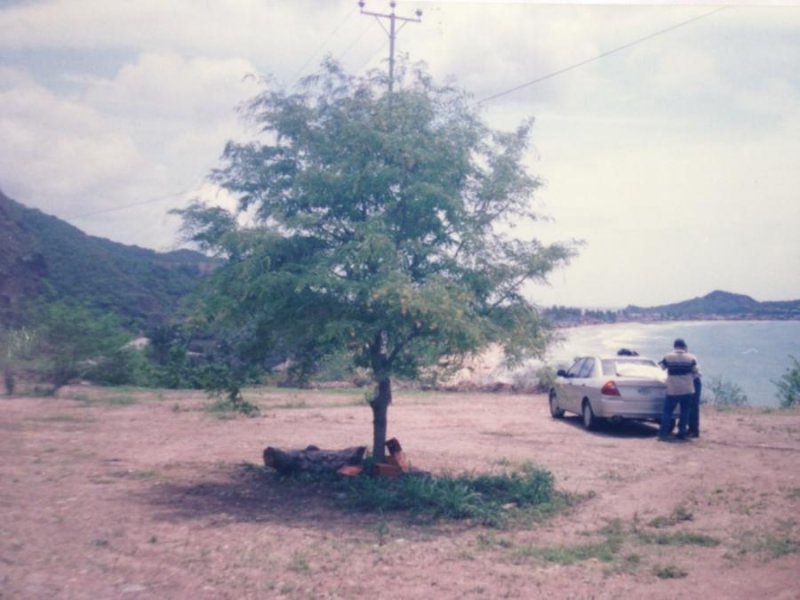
[{"x": 562, "y": 373}]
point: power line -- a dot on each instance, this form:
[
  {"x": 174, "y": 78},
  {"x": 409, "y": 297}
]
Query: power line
[
  {"x": 324, "y": 43},
  {"x": 135, "y": 204},
  {"x": 599, "y": 56}
]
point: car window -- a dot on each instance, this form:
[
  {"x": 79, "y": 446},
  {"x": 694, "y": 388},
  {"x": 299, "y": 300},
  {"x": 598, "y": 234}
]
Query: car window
[
  {"x": 631, "y": 367},
  {"x": 586, "y": 368},
  {"x": 575, "y": 369}
]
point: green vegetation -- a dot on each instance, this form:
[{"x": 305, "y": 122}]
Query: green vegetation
[
  {"x": 768, "y": 544},
  {"x": 789, "y": 385},
  {"x": 241, "y": 406},
  {"x": 45, "y": 259},
  {"x": 669, "y": 572},
  {"x": 65, "y": 342},
  {"x": 377, "y": 232},
  {"x": 679, "y": 515},
  {"x": 678, "y": 538},
  {"x": 613, "y": 540},
  {"x": 724, "y": 394},
  {"x": 489, "y": 499}
]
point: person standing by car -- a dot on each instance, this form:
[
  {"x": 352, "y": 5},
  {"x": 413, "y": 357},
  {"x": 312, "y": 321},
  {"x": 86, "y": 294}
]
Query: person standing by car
[
  {"x": 681, "y": 367},
  {"x": 694, "y": 409}
]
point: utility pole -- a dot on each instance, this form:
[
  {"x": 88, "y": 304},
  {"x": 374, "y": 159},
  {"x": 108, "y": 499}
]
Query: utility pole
[{"x": 392, "y": 32}]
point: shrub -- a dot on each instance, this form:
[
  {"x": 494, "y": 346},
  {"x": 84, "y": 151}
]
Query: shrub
[
  {"x": 723, "y": 393},
  {"x": 789, "y": 385}
]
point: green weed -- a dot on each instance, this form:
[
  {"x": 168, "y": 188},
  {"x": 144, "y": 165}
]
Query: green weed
[
  {"x": 225, "y": 406},
  {"x": 669, "y": 572},
  {"x": 768, "y": 544},
  {"x": 679, "y": 538},
  {"x": 679, "y": 515},
  {"x": 489, "y": 499},
  {"x": 299, "y": 564}
]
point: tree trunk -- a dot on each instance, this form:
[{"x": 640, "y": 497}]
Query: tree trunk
[{"x": 380, "y": 408}]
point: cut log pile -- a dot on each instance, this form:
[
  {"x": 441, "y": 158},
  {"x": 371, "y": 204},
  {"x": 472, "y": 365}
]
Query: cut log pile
[
  {"x": 312, "y": 459},
  {"x": 346, "y": 462}
]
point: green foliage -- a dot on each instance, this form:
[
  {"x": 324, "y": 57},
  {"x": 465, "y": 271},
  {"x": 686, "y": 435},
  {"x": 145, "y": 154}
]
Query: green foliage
[
  {"x": 669, "y": 572},
  {"x": 545, "y": 378},
  {"x": 69, "y": 341},
  {"x": 376, "y": 229},
  {"x": 123, "y": 366},
  {"x": 17, "y": 344},
  {"x": 679, "y": 538},
  {"x": 486, "y": 498},
  {"x": 55, "y": 261},
  {"x": 605, "y": 550},
  {"x": 240, "y": 406},
  {"x": 722, "y": 393},
  {"x": 789, "y": 385},
  {"x": 678, "y": 515}
]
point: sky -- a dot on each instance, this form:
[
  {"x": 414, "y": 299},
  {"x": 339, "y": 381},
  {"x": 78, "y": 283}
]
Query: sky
[{"x": 667, "y": 136}]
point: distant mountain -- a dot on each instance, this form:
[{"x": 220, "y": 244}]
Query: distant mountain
[
  {"x": 719, "y": 304},
  {"x": 42, "y": 256}
]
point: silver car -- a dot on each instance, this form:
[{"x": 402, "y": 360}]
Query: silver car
[{"x": 615, "y": 387}]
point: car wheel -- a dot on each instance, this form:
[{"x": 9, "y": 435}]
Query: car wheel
[
  {"x": 589, "y": 420},
  {"x": 555, "y": 411}
]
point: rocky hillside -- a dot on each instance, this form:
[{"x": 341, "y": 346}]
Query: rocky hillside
[{"x": 43, "y": 257}]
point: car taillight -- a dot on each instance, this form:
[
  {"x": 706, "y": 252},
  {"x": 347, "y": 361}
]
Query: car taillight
[{"x": 610, "y": 389}]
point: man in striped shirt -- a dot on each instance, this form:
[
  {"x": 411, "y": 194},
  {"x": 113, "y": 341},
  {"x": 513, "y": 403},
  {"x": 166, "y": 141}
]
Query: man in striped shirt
[{"x": 682, "y": 369}]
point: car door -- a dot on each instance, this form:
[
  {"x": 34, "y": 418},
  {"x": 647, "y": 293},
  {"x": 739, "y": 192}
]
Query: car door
[
  {"x": 582, "y": 384},
  {"x": 571, "y": 388}
]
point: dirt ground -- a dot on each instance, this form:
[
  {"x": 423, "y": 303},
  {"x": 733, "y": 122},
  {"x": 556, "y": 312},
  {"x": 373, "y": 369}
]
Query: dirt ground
[{"x": 127, "y": 494}]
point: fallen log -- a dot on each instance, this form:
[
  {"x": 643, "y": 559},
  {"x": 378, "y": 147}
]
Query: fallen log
[{"x": 312, "y": 459}]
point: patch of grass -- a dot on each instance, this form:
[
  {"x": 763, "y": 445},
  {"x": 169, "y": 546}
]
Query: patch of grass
[
  {"x": 569, "y": 555},
  {"x": 768, "y": 544},
  {"x": 794, "y": 494},
  {"x": 291, "y": 405},
  {"x": 114, "y": 400},
  {"x": 678, "y": 538},
  {"x": 605, "y": 550},
  {"x": 381, "y": 532},
  {"x": 485, "y": 542},
  {"x": 64, "y": 419},
  {"x": 679, "y": 515},
  {"x": 613, "y": 476},
  {"x": 669, "y": 572},
  {"x": 502, "y": 434},
  {"x": 489, "y": 499},
  {"x": 299, "y": 564},
  {"x": 225, "y": 406}
]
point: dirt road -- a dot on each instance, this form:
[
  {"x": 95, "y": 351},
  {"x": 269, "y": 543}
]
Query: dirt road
[{"x": 115, "y": 494}]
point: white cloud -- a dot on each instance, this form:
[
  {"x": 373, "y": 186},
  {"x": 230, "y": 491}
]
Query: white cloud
[
  {"x": 686, "y": 140},
  {"x": 168, "y": 86},
  {"x": 59, "y": 149}
]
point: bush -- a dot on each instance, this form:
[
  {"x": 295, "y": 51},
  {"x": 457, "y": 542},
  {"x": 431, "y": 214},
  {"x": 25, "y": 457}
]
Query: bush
[
  {"x": 124, "y": 366},
  {"x": 723, "y": 393},
  {"x": 789, "y": 385}
]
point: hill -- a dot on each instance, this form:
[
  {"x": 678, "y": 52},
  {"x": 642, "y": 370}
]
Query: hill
[
  {"x": 42, "y": 256},
  {"x": 719, "y": 305}
]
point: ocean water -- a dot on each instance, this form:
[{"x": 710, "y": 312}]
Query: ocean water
[{"x": 751, "y": 354}]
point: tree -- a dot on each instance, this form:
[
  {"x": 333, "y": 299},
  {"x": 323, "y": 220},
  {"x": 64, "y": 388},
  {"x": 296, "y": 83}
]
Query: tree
[
  {"x": 16, "y": 343},
  {"x": 789, "y": 385},
  {"x": 70, "y": 339},
  {"x": 377, "y": 223}
]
